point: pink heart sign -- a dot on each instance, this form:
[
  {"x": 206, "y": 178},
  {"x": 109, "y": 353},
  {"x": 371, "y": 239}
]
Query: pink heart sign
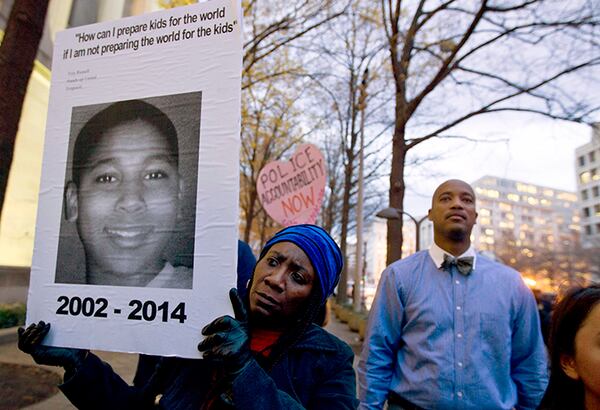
[{"x": 292, "y": 192}]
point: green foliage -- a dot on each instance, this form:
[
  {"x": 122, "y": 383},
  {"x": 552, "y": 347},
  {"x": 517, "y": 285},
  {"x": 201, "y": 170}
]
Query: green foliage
[{"x": 12, "y": 315}]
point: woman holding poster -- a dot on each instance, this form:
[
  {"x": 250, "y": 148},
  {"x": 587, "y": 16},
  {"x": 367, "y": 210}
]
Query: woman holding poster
[{"x": 274, "y": 357}]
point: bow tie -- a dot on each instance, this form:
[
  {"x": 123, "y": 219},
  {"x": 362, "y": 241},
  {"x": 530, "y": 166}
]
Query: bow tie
[{"x": 464, "y": 264}]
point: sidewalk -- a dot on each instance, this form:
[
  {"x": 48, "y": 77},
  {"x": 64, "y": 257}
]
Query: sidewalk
[
  {"x": 125, "y": 363},
  {"x": 342, "y": 331}
]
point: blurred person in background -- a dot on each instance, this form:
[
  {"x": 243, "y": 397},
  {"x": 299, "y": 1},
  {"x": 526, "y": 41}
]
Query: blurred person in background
[{"x": 575, "y": 352}]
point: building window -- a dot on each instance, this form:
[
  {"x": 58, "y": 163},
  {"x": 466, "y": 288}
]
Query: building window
[
  {"x": 567, "y": 196},
  {"x": 588, "y": 230},
  {"x": 526, "y": 188},
  {"x": 584, "y": 195},
  {"x": 595, "y": 192},
  {"x": 597, "y": 209},
  {"x": 491, "y": 193},
  {"x": 592, "y": 156},
  {"x": 598, "y": 228},
  {"x": 504, "y": 183},
  {"x": 485, "y": 212},
  {"x": 586, "y": 212},
  {"x": 82, "y": 12},
  {"x": 585, "y": 177},
  {"x": 581, "y": 160}
]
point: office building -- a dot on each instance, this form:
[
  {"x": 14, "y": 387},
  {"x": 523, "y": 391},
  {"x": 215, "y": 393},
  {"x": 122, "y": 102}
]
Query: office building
[
  {"x": 535, "y": 229},
  {"x": 529, "y": 215},
  {"x": 587, "y": 165}
]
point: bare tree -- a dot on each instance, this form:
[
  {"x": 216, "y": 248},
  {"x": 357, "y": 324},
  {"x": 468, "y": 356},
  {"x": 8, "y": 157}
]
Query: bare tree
[
  {"x": 271, "y": 127},
  {"x": 272, "y": 26},
  {"x": 273, "y": 84},
  {"x": 350, "y": 83},
  {"x": 453, "y": 60},
  {"x": 563, "y": 262},
  {"x": 17, "y": 55}
]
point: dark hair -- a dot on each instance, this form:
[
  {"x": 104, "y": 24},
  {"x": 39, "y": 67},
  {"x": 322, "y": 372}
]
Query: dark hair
[
  {"x": 567, "y": 317},
  {"x": 115, "y": 114}
]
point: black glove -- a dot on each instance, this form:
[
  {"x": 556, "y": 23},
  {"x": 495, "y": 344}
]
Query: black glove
[
  {"x": 227, "y": 339},
  {"x": 30, "y": 342}
]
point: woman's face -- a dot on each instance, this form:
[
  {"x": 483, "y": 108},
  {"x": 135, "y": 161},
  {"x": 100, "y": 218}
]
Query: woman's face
[
  {"x": 585, "y": 366},
  {"x": 283, "y": 281}
]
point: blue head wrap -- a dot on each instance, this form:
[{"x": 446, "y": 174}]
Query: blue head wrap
[{"x": 321, "y": 249}]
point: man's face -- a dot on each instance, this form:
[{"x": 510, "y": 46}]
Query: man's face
[
  {"x": 283, "y": 280},
  {"x": 453, "y": 210},
  {"x": 127, "y": 201}
]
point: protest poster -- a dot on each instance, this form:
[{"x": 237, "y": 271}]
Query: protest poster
[
  {"x": 292, "y": 191},
  {"x": 136, "y": 234}
]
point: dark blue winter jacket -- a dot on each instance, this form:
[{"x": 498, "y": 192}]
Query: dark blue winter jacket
[{"x": 315, "y": 373}]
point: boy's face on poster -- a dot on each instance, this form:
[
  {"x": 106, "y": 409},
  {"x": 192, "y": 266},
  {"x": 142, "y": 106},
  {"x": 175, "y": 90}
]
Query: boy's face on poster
[{"x": 127, "y": 201}]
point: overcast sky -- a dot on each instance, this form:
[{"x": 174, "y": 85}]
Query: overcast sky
[{"x": 529, "y": 148}]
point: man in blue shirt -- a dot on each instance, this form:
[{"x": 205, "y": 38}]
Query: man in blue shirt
[{"x": 450, "y": 329}]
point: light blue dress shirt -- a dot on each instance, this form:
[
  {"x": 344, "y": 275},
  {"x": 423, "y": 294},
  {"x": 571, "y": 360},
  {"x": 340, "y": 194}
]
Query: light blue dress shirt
[{"x": 442, "y": 340}]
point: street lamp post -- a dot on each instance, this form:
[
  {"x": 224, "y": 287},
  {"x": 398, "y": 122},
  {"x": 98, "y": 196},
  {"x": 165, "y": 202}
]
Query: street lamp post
[{"x": 395, "y": 213}]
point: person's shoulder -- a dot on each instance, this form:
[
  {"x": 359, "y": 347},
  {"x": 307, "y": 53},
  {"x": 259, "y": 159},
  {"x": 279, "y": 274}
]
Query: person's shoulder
[
  {"x": 410, "y": 261},
  {"x": 246, "y": 261},
  {"x": 320, "y": 355},
  {"x": 409, "y": 266},
  {"x": 502, "y": 276},
  {"x": 244, "y": 251},
  {"x": 317, "y": 338}
]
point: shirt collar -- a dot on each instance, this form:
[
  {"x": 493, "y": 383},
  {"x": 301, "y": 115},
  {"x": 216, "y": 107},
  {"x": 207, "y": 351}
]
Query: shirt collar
[{"x": 437, "y": 254}]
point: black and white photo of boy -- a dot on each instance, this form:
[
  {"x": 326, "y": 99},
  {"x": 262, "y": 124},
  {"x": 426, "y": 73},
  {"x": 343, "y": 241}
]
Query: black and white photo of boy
[{"x": 126, "y": 197}]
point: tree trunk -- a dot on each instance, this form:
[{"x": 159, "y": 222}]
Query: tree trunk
[
  {"x": 250, "y": 212},
  {"x": 399, "y": 63},
  {"x": 350, "y": 150},
  {"x": 342, "y": 297},
  {"x": 17, "y": 55},
  {"x": 397, "y": 188},
  {"x": 266, "y": 228}
]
